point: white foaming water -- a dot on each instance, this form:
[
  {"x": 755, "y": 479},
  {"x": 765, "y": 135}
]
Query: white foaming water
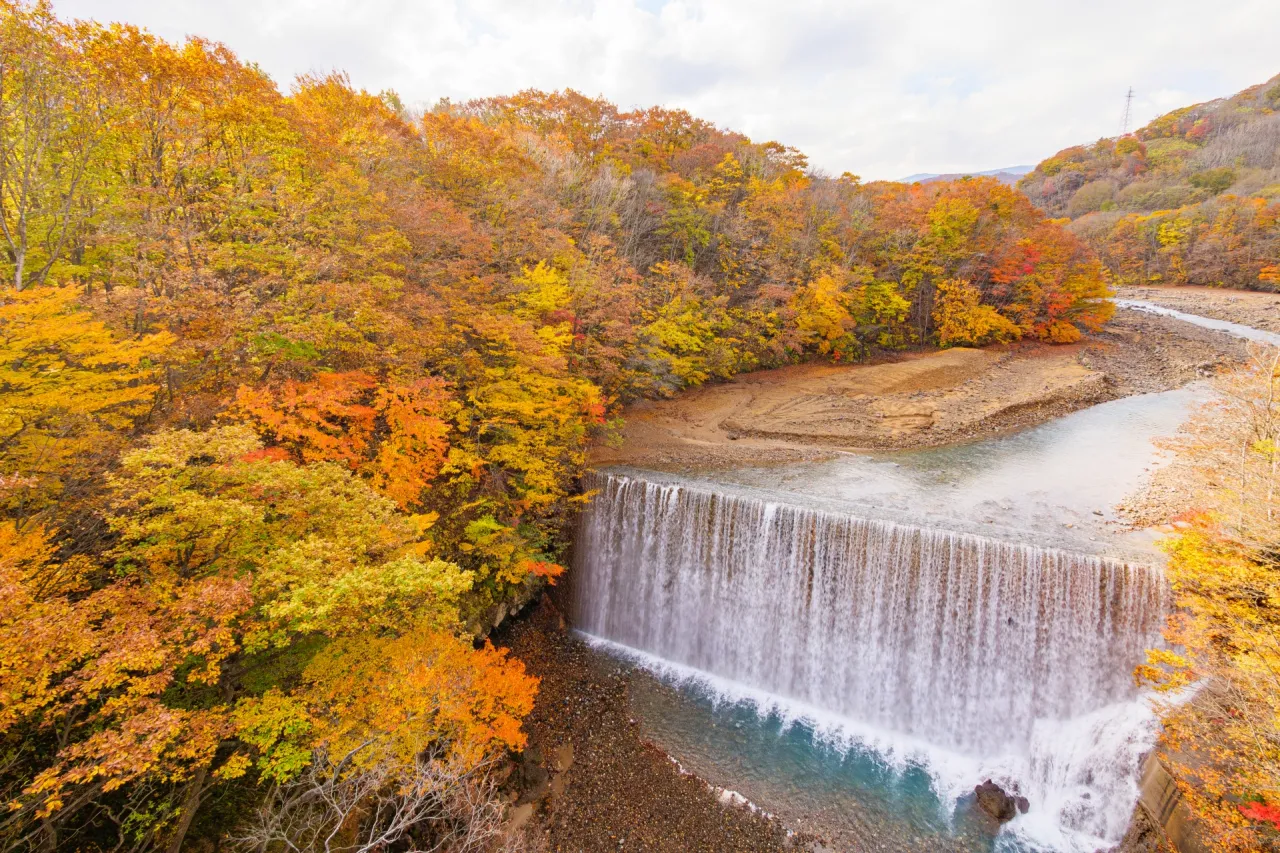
[
  {"x": 1083, "y": 774},
  {"x": 973, "y": 657}
]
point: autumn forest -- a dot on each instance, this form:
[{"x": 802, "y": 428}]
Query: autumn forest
[{"x": 299, "y": 385}]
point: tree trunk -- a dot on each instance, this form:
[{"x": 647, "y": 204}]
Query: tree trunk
[
  {"x": 195, "y": 791},
  {"x": 48, "y": 836}
]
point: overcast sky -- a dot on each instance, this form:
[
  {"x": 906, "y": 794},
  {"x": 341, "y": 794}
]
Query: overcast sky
[{"x": 881, "y": 88}]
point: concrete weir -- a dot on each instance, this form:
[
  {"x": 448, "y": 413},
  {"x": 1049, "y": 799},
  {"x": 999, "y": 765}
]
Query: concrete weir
[{"x": 994, "y": 650}]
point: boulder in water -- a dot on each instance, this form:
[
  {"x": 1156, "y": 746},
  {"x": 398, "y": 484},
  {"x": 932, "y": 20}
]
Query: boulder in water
[{"x": 1002, "y": 806}]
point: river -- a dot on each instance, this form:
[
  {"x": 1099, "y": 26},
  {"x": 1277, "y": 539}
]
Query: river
[{"x": 854, "y": 644}]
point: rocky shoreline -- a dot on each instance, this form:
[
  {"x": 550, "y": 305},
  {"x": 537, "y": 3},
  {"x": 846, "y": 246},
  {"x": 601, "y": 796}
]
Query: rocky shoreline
[
  {"x": 1247, "y": 307},
  {"x": 590, "y": 782}
]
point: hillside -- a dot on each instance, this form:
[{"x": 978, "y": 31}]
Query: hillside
[{"x": 1191, "y": 198}]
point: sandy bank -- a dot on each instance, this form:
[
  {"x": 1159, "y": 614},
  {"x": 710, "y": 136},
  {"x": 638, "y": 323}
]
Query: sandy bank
[{"x": 917, "y": 400}]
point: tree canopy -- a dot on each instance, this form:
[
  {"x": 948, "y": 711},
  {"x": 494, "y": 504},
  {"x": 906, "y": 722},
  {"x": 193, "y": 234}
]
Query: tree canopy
[{"x": 297, "y": 388}]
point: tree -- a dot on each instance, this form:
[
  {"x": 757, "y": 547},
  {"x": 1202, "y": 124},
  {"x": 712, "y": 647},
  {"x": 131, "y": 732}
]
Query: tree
[
  {"x": 962, "y": 320},
  {"x": 426, "y": 689},
  {"x": 822, "y": 314},
  {"x": 1224, "y": 645},
  {"x": 397, "y": 434},
  {"x": 53, "y": 109},
  {"x": 71, "y": 389},
  {"x": 436, "y": 804}
]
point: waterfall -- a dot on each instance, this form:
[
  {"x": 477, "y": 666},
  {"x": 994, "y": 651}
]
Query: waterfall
[{"x": 972, "y": 644}]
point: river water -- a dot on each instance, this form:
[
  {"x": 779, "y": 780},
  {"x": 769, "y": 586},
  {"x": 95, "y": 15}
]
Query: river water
[
  {"x": 1234, "y": 329},
  {"x": 854, "y": 644}
]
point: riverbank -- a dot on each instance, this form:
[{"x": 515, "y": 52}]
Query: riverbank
[
  {"x": 916, "y": 400},
  {"x": 1246, "y": 307},
  {"x": 590, "y": 782},
  {"x": 1165, "y": 495}
]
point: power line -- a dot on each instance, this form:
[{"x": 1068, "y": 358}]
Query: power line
[{"x": 1128, "y": 112}]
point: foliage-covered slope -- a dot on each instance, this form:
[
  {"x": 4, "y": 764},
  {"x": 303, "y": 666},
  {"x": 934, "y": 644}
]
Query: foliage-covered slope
[
  {"x": 297, "y": 387},
  {"x": 1221, "y": 662},
  {"x": 1192, "y": 198}
]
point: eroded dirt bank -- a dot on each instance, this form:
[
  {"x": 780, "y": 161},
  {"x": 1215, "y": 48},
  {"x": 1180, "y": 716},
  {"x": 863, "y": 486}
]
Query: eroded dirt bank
[{"x": 916, "y": 400}]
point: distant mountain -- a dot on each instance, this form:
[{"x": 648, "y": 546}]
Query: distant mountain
[
  {"x": 1191, "y": 198},
  {"x": 1007, "y": 175}
]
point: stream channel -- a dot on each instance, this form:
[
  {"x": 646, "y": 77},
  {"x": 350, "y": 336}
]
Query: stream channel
[{"x": 852, "y": 645}]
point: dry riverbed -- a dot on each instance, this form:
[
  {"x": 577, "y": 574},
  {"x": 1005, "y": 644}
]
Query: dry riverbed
[{"x": 915, "y": 400}]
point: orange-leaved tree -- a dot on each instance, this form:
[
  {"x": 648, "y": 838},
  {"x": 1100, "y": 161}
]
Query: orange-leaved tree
[{"x": 72, "y": 390}]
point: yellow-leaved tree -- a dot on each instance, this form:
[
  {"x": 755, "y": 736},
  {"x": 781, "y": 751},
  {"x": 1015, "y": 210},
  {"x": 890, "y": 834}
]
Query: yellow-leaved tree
[
  {"x": 71, "y": 388},
  {"x": 1222, "y": 731},
  {"x": 961, "y": 319}
]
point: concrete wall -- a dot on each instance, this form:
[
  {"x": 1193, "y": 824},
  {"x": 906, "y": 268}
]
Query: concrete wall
[{"x": 1164, "y": 806}]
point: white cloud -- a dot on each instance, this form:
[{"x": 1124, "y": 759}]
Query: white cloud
[{"x": 882, "y": 88}]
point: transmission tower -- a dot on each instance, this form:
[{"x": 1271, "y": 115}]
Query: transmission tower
[{"x": 1128, "y": 112}]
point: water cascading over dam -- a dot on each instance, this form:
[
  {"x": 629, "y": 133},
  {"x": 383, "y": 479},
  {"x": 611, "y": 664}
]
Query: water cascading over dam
[{"x": 961, "y": 641}]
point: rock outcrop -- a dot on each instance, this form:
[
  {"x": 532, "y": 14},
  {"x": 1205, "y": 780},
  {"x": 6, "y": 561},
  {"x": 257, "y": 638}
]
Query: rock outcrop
[{"x": 1000, "y": 805}]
